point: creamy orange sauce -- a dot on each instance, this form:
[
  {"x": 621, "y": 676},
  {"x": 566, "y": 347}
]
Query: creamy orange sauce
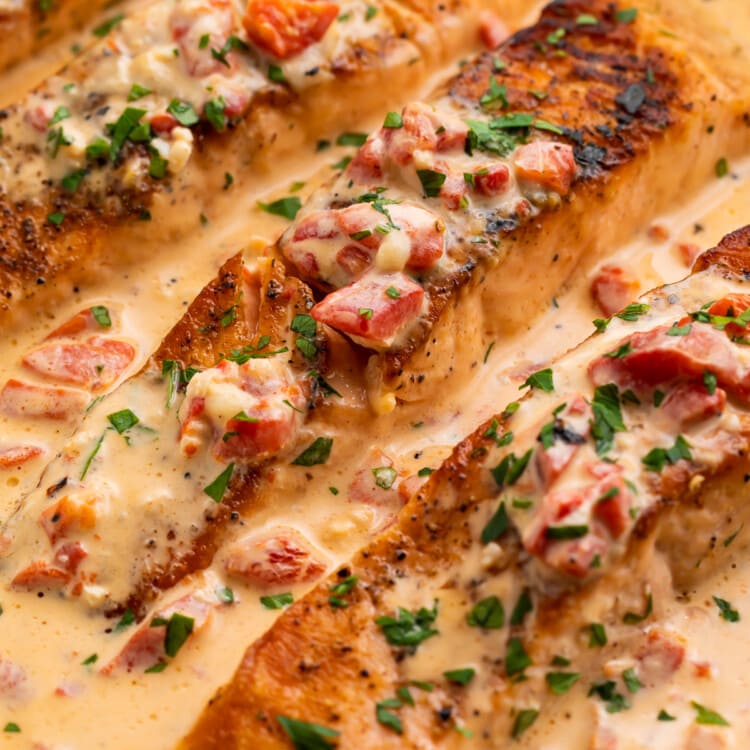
[{"x": 50, "y": 638}]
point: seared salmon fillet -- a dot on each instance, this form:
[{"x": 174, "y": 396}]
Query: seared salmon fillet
[
  {"x": 542, "y": 154},
  {"x": 527, "y": 547},
  {"x": 184, "y": 98},
  {"x": 227, "y": 393}
]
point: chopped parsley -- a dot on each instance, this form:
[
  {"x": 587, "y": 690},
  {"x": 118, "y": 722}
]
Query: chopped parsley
[
  {"x": 90, "y": 660},
  {"x": 516, "y": 658},
  {"x": 232, "y": 43},
  {"x": 56, "y": 218},
  {"x": 431, "y": 181},
  {"x": 384, "y": 476},
  {"x": 607, "y": 416},
  {"x": 409, "y": 628},
  {"x": 607, "y": 691},
  {"x": 705, "y": 715},
  {"x": 277, "y": 601},
  {"x": 622, "y": 351},
  {"x": 656, "y": 458},
  {"x": 510, "y": 468},
  {"x": 726, "y": 611},
  {"x": 632, "y": 683},
  {"x": 73, "y": 179},
  {"x": 524, "y": 605},
  {"x": 137, "y": 91},
  {"x": 626, "y": 15},
  {"x": 286, "y": 207},
  {"x": 633, "y": 311},
  {"x": 573, "y": 531},
  {"x": 709, "y": 380},
  {"x": 11, "y": 727},
  {"x": 542, "y": 379},
  {"x": 342, "y": 589},
  {"x": 386, "y": 717},
  {"x": 92, "y": 455},
  {"x": 460, "y": 676},
  {"x": 524, "y": 719},
  {"x": 183, "y": 112},
  {"x": 316, "y": 453},
  {"x": 722, "y": 167},
  {"x": 496, "y": 526},
  {"x": 560, "y": 682},
  {"x": 664, "y": 716},
  {"x": 305, "y": 735},
  {"x": 213, "y": 110},
  {"x": 104, "y": 28},
  {"x": 633, "y": 618},
  {"x": 121, "y": 129},
  {"x": 497, "y": 94},
  {"x": 487, "y": 613},
  {"x": 351, "y": 139},
  {"x": 218, "y": 487},
  {"x": 127, "y": 619},
  {"x": 276, "y": 74},
  {"x": 123, "y": 420},
  {"x": 598, "y": 635},
  {"x": 393, "y": 120},
  {"x": 225, "y": 595},
  {"x": 179, "y": 628}
]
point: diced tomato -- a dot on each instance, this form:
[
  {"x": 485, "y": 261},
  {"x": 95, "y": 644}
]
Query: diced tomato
[
  {"x": 492, "y": 179},
  {"x": 357, "y": 232},
  {"x": 733, "y": 305},
  {"x": 162, "y": 123},
  {"x": 249, "y": 412},
  {"x": 39, "y": 117},
  {"x": 69, "y": 556},
  {"x": 424, "y": 129},
  {"x": 690, "y": 402},
  {"x": 69, "y": 514},
  {"x": 95, "y": 363},
  {"x": 574, "y": 428},
  {"x": 190, "y": 22},
  {"x": 284, "y": 28},
  {"x": 377, "y": 484},
  {"x": 278, "y": 557},
  {"x": 658, "y": 233},
  {"x": 20, "y": 399},
  {"x": 546, "y": 163},
  {"x": 613, "y": 288},
  {"x": 493, "y": 31},
  {"x": 453, "y": 191},
  {"x": 13, "y": 679},
  {"x": 15, "y": 455},
  {"x": 80, "y": 322},
  {"x": 688, "y": 252},
  {"x": 575, "y": 557},
  {"x": 145, "y": 648},
  {"x": 367, "y": 165},
  {"x": 366, "y": 311},
  {"x": 659, "y": 657},
  {"x": 656, "y": 357},
  {"x": 40, "y": 575}
]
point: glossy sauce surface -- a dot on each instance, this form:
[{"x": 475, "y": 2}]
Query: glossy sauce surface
[{"x": 61, "y": 701}]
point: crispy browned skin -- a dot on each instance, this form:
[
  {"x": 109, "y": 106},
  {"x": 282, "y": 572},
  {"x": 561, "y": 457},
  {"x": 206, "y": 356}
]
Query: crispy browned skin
[
  {"x": 332, "y": 665},
  {"x": 200, "y": 340},
  {"x": 40, "y": 260},
  {"x": 634, "y": 103}
]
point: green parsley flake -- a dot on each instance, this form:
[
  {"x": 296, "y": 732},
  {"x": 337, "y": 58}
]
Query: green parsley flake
[
  {"x": 409, "y": 628},
  {"x": 277, "y": 601},
  {"x": 487, "y": 613},
  {"x": 431, "y": 181},
  {"x": 286, "y": 207},
  {"x": 542, "y": 379},
  {"x": 218, "y": 487},
  {"x": 560, "y": 682},
  {"x": 524, "y": 719},
  {"x": 726, "y": 611},
  {"x": 707, "y": 716},
  {"x": 305, "y": 735},
  {"x": 316, "y": 453},
  {"x": 123, "y": 420},
  {"x": 460, "y": 676}
]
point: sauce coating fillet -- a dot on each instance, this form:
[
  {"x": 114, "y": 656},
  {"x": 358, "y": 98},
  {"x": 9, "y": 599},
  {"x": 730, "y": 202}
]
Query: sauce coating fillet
[
  {"x": 542, "y": 154},
  {"x": 545, "y": 519},
  {"x": 180, "y": 93}
]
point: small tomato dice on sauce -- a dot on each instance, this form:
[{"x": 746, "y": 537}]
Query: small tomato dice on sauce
[
  {"x": 492, "y": 179},
  {"x": 493, "y": 31},
  {"x": 279, "y": 557},
  {"x": 190, "y": 22},
  {"x": 21, "y": 399},
  {"x": 15, "y": 455},
  {"x": 284, "y": 28},
  {"x": 373, "y": 310},
  {"x": 613, "y": 288},
  {"x": 546, "y": 163}
]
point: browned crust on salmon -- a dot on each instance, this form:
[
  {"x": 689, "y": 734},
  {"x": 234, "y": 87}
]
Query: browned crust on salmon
[
  {"x": 331, "y": 665},
  {"x": 39, "y": 260},
  {"x": 201, "y": 339}
]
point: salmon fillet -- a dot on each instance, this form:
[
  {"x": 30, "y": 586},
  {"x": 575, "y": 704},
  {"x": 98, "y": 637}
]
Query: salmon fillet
[
  {"x": 543, "y": 154},
  {"x": 550, "y": 508},
  {"x": 235, "y": 348},
  {"x": 178, "y": 102}
]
